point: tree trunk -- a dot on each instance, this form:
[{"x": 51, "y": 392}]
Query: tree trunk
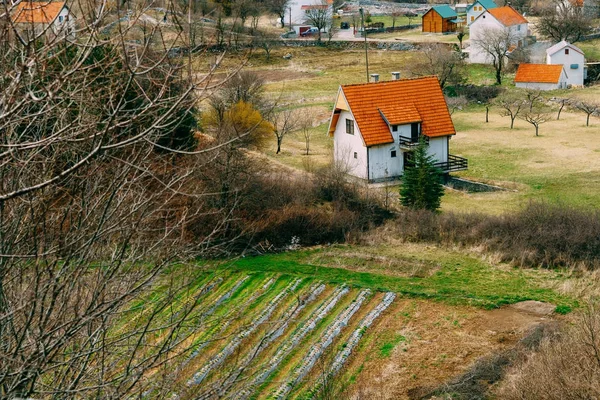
[
  {"x": 536, "y": 130},
  {"x": 512, "y": 121},
  {"x": 587, "y": 121},
  {"x": 487, "y": 113},
  {"x": 498, "y": 76},
  {"x": 559, "y": 111},
  {"x": 279, "y": 139}
]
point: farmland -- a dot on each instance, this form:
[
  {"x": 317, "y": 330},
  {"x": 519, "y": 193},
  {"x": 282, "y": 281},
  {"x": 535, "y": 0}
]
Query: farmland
[{"x": 283, "y": 326}]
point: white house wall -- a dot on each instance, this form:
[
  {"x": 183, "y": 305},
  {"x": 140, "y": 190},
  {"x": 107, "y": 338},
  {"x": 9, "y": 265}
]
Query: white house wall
[
  {"x": 487, "y": 23},
  {"x": 298, "y": 15},
  {"x": 345, "y": 145},
  {"x": 575, "y": 75},
  {"x": 438, "y": 148}
]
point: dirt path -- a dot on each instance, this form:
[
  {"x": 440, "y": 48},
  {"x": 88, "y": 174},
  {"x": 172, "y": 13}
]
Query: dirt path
[{"x": 419, "y": 345}]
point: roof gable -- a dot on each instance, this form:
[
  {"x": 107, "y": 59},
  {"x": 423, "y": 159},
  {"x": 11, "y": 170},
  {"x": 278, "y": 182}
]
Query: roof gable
[
  {"x": 445, "y": 11},
  {"x": 400, "y": 102},
  {"x": 507, "y": 16},
  {"x": 487, "y": 4},
  {"x": 37, "y": 12},
  {"x": 539, "y": 73},
  {"x": 561, "y": 45}
]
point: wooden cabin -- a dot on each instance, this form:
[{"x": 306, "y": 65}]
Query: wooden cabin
[{"x": 440, "y": 19}]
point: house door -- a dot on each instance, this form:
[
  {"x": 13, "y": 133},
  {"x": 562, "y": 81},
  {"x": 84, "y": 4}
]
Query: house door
[
  {"x": 414, "y": 132},
  {"x": 408, "y": 159}
]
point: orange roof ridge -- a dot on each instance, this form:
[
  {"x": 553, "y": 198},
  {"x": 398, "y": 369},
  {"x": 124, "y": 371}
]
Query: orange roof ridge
[
  {"x": 402, "y": 101},
  {"x": 396, "y": 80},
  {"x": 507, "y": 16},
  {"x": 37, "y": 12}
]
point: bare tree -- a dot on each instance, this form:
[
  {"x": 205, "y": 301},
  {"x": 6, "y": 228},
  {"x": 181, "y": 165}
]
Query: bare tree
[
  {"x": 455, "y": 103},
  {"x": 536, "y": 116},
  {"x": 319, "y": 16},
  {"x": 284, "y": 122},
  {"x": 100, "y": 187},
  {"x": 589, "y": 108},
  {"x": 460, "y": 35},
  {"x": 395, "y": 15},
  {"x": 564, "y": 20},
  {"x": 534, "y": 96},
  {"x": 306, "y": 126},
  {"x": 446, "y": 64},
  {"x": 279, "y": 8},
  {"x": 562, "y": 101},
  {"x": 510, "y": 106},
  {"x": 410, "y": 15},
  {"x": 495, "y": 44}
]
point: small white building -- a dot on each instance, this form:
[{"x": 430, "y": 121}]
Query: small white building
[
  {"x": 49, "y": 19},
  {"x": 571, "y": 58},
  {"x": 297, "y": 10},
  {"x": 498, "y": 20},
  {"x": 541, "y": 77},
  {"x": 376, "y": 127},
  {"x": 476, "y": 9}
]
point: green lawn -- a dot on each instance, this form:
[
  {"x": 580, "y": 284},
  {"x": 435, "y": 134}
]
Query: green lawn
[{"x": 460, "y": 279}]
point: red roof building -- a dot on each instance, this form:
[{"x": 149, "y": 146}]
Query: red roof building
[{"x": 376, "y": 126}]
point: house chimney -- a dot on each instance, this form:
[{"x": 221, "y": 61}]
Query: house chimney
[
  {"x": 374, "y": 77},
  {"x": 395, "y": 76}
]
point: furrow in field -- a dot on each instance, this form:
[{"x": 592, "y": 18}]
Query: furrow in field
[
  {"x": 324, "y": 341},
  {"x": 295, "y": 339},
  {"x": 229, "y": 348}
]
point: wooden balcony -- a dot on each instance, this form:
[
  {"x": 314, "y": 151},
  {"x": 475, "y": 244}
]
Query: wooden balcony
[
  {"x": 408, "y": 144},
  {"x": 454, "y": 163}
]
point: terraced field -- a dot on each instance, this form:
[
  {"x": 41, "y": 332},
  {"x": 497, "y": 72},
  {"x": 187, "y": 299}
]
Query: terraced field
[{"x": 260, "y": 335}]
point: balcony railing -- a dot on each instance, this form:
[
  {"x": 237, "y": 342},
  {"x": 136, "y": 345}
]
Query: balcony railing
[
  {"x": 454, "y": 163},
  {"x": 408, "y": 144}
]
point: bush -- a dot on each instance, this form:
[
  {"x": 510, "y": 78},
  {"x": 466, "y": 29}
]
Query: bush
[{"x": 540, "y": 235}]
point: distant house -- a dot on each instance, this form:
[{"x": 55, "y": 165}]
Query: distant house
[
  {"x": 541, "y": 77},
  {"x": 461, "y": 8},
  {"x": 500, "y": 20},
  {"x": 376, "y": 127},
  {"x": 297, "y": 10},
  {"x": 477, "y": 8},
  {"x": 440, "y": 19},
  {"x": 571, "y": 58},
  {"x": 43, "y": 18}
]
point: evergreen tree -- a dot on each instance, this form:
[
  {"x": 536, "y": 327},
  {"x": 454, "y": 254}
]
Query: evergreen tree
[{"x": 422, "y": 182}]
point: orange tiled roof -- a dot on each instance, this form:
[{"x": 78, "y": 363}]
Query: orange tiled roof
[
  {"x": 37, "y": 12},
  {"x": 420, "y": 97},
  {"x": 507, "y": 16},
  {"x": 398, "y": 114},
  {"x": 538, "y": 73}
]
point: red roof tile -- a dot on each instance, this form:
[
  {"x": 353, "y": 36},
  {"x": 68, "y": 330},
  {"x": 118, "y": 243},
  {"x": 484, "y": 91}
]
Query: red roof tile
[
  {"x": 421, "y": 99},
  {"x": 508, "y": 16},
  {"x": 37, "y": 12},
  {"x": 538, "y": 73}
]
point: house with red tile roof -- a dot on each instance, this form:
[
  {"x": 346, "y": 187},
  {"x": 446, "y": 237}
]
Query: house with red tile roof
[
  {"x": 376, "y": 127},
  {"x": 42, "y": 18},
  {"x": 541, "y": 77},
  {"x": 499, "y": 21},
  {"x": 296, "y": 13}
]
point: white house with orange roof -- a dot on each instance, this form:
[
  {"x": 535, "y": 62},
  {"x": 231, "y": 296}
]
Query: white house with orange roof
[
  {"x": 376, "y": 127},
  {"x": 571, "y": 58},
  {"x": 496, "y": 22},
  {"x": 34, "y": 19},
  {"x": 541, "y": 77},
  {"x": 297, "y": 10}
]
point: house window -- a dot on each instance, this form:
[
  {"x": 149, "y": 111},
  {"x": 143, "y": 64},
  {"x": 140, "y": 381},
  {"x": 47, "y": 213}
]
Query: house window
[
  {"x": 394, "y": 128},
  {"x": 60, "y": 18},
  {"x": 355, "y": 155},
  {"x": 350, "y": 127},
  {"x": 393, "y": 154},
  {"x": 472, "y": 18},
  {"x": 414, "y": 132},
  {"x": 567, "y": 52},
  {"x": 519, "y": 27}
]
